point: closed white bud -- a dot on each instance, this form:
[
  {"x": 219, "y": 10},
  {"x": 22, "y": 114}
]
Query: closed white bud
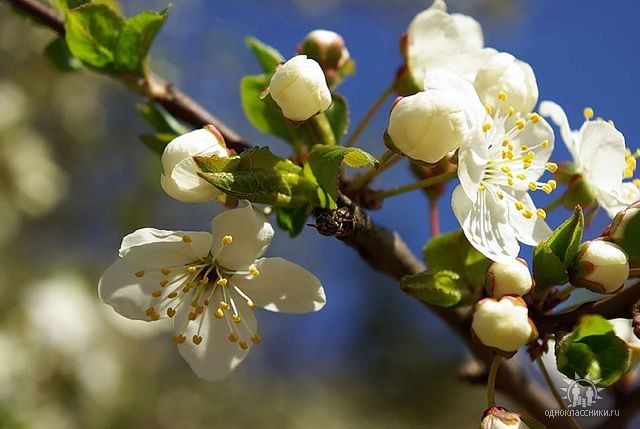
[
  {"x": 503, "y": 324},
  {"x": 500, "y": 418},
  {"x": 300, "y": 89},
  {"x": 329, "y": 50},
  {"x": 503, "y": 72},
  {"x": 428, "y": 125},
  {"x": 512, "y": 278},
  {"x": 180, "y": 177},
  {"x": 600, "y": 266},
  {"x": 620, "y": 222}
]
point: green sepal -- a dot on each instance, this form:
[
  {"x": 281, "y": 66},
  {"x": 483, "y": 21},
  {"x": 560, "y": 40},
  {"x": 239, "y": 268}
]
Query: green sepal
[
  {"x": 593, "y": 352},
  {"x": 338, "y": 116},
  {"x": 267, "y": 56},
  {"x": 157, "y": 142},
  {"x": 322, "y": 166},
  {"x": 442, "y": 288},
  {"x": 552, "y": 258},
  {"x": 452, "y": 252}
]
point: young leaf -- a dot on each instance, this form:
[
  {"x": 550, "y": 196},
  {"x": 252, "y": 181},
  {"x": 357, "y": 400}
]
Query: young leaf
[
  {"x": 323, "y": 167},
  {"x": 593, "y": 352},
  {"x": 262, "y": 116},
  {"x": 442, "y": 288},
  {"x": 58, "y": 52},
  {"x": 279, "y": 189},
  {"x": 451, "y": 251},
  {"x": 161, "y": 120},
  {"x": 135, "y": 40},
  {"x": 338, "y": 116},
  {"x": 267, "y": 56},
  {"x": 91, "y": 33},
  {"x": 157, "y": 142},
  {"x": 548, "y": 268},
  {"x": 565, "y": 240},
  {"x": 294, "y": 219}
]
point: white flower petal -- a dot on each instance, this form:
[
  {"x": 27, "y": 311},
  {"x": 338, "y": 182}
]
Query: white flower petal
[
  {"x": 129, "y": 293},
  {"x": 446, "y": 81},
  {"x": 614, "y": 202},
  {"x": 528, "y": 231},
  {"x": 553, "y": 111},
  {"x": 473, "y": 157},
  {"x": 150, "y": 247},
  {"x": 283, "y": 286},
  {"x": 251, "y": 235},
  {"x": 185, "y": 185},
  {"x": 198, "y": 142},
  {"x": 601, "y": 155},
  {"x": 215, "y": 357},
  {"x": 484, "y": 223}
]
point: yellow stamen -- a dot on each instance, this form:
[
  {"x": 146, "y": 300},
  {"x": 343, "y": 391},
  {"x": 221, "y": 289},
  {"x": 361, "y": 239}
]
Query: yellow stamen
[
  {"x": 520, "y": 124},
  {"x": 500, "y": 195},
  {"x": 222, "y": 282},
  {"x": 527, "y": 213},
  {"x": 243, "y": 345},
  {"x": 553, "y": 184},
  {"x": 552, "y": 167},
  {"x": 512, "y": 111},
  {"x": 172, "y": 295},
  {"x": 156, "y": 293},
  {"x": 236, "y": 318},
  {"x": 232, "y": 337},
  {"x": 486, "y": 127},
  {"x": 502, "y": 96},
  {"x": 519, "y": 205},
  {"x": 193, "y": 316},
  {"x": 256, "y": 339},
  {"x": 197, "y": 339},
  {"x": 541, "y": 214},
  {"x": 179, "y": 339},
  {"x": 254, "y": 271},
  {"x": 227, "y": 239},
  {"x": 224, "y": 305},
  {"x": 192, "y": 269},
  {"x": 547, "y": 189},
  {"x": 505, "y": 142},
  {"x": 251, "y": 304},
  {"x": 588, "y": 113},
  {"x": 140, "y": 274},
  {"x": 544, "y": 144},
  {"x": 522, "y": 176},
  {"x": 164, "y": 283},
  {"x": 165, "y": 271},
  {"x": 171, "y": 312},
  {"x": 534, "y": 117},
  {"x": 533, "y": 186},
  {"x": 488, "y": 108},
  {"x": 218, "y": 313},
  {"x": 524, "y": 147},
  {"x": 186, "y": 238}
]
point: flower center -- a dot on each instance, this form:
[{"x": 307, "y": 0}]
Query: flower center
[
  {"x": 510, "y": 158},
  {"x": 209, "y": 291}
]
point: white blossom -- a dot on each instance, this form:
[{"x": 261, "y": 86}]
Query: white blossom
[
  {"x": 600, "y": 266},
  {"x": 503, "y": 324},
  {"x": 180, "y": 177},
  {"x": 209, "y": 283},
  {"x": 300, "y": 89},
  {"x": 599, "y": 153},
  {"x": 511, "y": 278}
]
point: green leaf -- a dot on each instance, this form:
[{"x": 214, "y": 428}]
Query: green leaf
[
  {"x": 593, "y": 352},
  {"x": 59, "y": 54},
  {"x": 92, "y": 32},
  {"x": 161, "y": 120},
  {"x": 338, "y": 116},
  {"x": 548, "y": 268},
  {"x": 323, "y": 166},
  {"x": 442, "y": 288},
  {"x": 565, "y": 240},
  {"x": 135, "y": 40},
  {"x": 293, "y": 220},
  {"x": 279, "y": 189},
  {"x": 261, "y": 115},
  {"x": 552, "y": 257},
  {"x": 267, "y": 56},
  {"x": 157, "y": 142},
  {"x": 452, "y": 252}
]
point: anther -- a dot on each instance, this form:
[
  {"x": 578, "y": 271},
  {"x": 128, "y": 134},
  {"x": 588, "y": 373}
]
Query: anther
[
  {"x": 192, "y": 269},
  {"x": 486, "y": 127},
  {"x": 524, "y": 147},
  {"x": 546, "y": 188},
  {"x": 254, "y": 271},
  {"x": 541, "y": 214},
  {"x": 512, "y": 111},
  {"x": 588, "y": 113},
  {"x": 204, "y": 280},
  {"x": 179, "y": 339},
  {"x": 171, "y": 312},
  {"x": 193, "y": 316},
  {"x": 227, "y": 239},
  {"x": 505, "y": 142},
  {"x": 256, "y": 339},
  {"x": 481, "y": 187},
  {"x": 199, "y": 309},
  {"x": 139, "y": 274},
  {"x": 252, "y": 304},
  {"x": 218, "y": 313},
  {"x": 222, "y": 282},
  {"x": 164, "y": 283},
  {"x": 528, "y": 214},
  {"x": 544, "y": 144},
  {"x": 197, "y": 339},
  {"x": 236, "y": 318},
  {"x": 224, "y": 305},
  {"x": 165, "y": 271},
  {"x": 156, "y": 293},
  {"x": 534, "y": 117},
  {"x": 521, "y": 176},
  {"x": 552, "y": 183},
  {"x": 533, "y": 186},
  {"x": 488, "y": 108},
  {"x": 519, "y": 205},
  {"x": 502, "y": 96},
  {"x": 172, "y": 295},
  {"x": 243, "y": 345},
  {"x": 232, "y": 337},
  {"x": 186, "y": 238},
  {"x": 520, "y": 124},
  {"x": 552, "y": 167}
]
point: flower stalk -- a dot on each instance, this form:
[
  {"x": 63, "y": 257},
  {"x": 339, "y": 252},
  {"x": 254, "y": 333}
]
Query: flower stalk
[
  {"x": 369, "y": 115},
  {"x": 418, "y": 185},
  {"x": 491, "y": 382}
]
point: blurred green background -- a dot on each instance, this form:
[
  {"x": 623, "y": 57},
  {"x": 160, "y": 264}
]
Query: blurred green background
[{"x": 74, "y": 180}]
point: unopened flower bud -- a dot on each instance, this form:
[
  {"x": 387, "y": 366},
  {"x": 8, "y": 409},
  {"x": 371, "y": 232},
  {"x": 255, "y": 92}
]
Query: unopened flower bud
[
  {"x": 618, "y": 230},
  {"x": 512, "y": 278},
  {"x": 329, "y": 50},
  {"x": 300, "y": 89},
  {"x": 180, "y": 177},
  {"x": 600, "y": 266},
  {"x": 503, "y": 324},
  {"x": 504, "y": 73},
  {"x": 428, "y": 125},
  {"x": 500, "y": 418}
]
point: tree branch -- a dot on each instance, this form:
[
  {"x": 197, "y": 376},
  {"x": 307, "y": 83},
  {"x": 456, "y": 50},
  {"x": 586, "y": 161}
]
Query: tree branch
[{"x": 383, "y": 249}]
